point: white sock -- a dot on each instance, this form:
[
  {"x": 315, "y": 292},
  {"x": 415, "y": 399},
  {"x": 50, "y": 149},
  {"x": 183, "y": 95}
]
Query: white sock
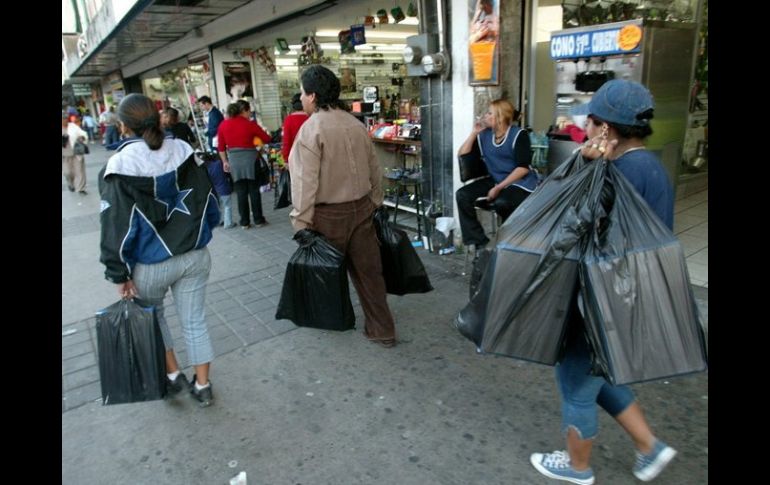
[
  {"x": 199, "y": 387},
  {"x": 173, "y": 375}
]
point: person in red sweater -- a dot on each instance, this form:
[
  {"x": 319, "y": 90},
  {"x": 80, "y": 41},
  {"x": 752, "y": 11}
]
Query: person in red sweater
[
  {"x": 291, "y": 125},
  {"x": 235, "y": 138}
]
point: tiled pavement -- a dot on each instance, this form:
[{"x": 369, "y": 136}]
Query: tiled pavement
[{"x": 240, "y": 306}]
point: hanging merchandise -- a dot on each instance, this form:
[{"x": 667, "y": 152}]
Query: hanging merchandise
[
  {"x": 346, "y": 42},
  {"x": 398, "y": 14},
  {"x": 411, "y": 10},
  {"x": 311, "y": 53},
  {"x": 264, "y": 58},
  {"x": 369, "y": 21},
  {"x": 382, "y": 15},
  {"x": 357, "y": 34}
]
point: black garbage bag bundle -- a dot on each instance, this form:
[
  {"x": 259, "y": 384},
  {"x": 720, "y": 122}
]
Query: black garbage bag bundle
[
  {"x": 283, "y": 191},
  {"x": 402, "y": 268},
  {"x": 586, "y": 230},
  {"x": 641, "y": 316},
  {"x": 521, "y": 307},
  {"x": 132, "y": 357},
  {"x": 315, "y": 288}
]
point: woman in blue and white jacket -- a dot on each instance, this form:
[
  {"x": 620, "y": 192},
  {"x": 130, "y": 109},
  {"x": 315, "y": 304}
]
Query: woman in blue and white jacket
[{"x": 158, "y": 211}]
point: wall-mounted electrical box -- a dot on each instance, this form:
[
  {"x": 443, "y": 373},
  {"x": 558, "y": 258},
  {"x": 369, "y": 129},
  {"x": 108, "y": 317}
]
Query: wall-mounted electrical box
[{"x": 417, "y": 47}]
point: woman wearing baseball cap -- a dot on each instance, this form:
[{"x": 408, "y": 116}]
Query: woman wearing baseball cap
[{"x": 619, "y": 117}]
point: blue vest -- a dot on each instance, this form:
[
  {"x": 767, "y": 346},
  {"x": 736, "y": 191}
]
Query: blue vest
[{"x": 501, "y": 158}]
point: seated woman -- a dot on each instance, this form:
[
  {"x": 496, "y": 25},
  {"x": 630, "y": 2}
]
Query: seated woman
[{"x": 507, "y": 154}]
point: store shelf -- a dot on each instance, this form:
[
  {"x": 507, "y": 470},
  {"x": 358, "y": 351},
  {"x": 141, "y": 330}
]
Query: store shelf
[
  {"x": 398, "y": 141},
  {"x": 400, "y": 206}
]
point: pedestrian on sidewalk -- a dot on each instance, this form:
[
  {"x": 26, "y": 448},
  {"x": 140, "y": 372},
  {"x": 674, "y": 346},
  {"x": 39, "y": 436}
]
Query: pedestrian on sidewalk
[
  {"x": 223, "y": 185},
  {"x": 73, "y": 161},
  {"x": 336, "y": 187},
  {"x": 619, "y": 117},
  {"x": 158, "y": 211},
  {"x": 235, "y": 139}
]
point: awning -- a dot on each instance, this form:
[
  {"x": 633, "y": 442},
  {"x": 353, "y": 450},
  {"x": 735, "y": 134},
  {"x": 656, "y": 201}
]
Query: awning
[{"x": 154, "y": 27}]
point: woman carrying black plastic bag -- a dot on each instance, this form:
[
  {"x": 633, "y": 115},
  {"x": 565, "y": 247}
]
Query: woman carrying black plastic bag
[
  {"x": 158, "y": 211},
  {"x": 618, "y": 121}
]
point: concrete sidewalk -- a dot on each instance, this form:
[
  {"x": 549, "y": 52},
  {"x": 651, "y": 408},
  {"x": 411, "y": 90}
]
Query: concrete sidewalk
[{"x": 297, "y": 405}]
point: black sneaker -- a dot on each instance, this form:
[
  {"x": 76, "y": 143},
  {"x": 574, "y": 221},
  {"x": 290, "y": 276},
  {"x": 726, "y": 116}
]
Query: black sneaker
[
  {"x": 204, "y": 397},
  {"x": 261, "y": 223},
  {"x": 177, "y": 385}
]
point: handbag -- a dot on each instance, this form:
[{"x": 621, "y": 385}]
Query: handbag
[
  {"x": 472, "y": 166},
  {"x": 81, "y": 148},
  {"x": 262, "y": 169}
]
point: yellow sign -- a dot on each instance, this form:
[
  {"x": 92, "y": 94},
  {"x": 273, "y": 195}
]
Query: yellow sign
[{"x": 629, "y": 37}]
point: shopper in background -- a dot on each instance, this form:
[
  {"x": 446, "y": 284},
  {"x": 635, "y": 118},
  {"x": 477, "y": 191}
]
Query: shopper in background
[
  {"x": 336, "y": 187},
  {"x": 213, "y": 118},
  {"x": 73, "y": 164},
  {"x": 89, "y": 123},
  {"x": 223, "y": 185},
  {"x": 167, "y": 246},
  {"x": 169, "y": 119},
  {"x": 239, "y": 157},
  {"x": 619, "y": 117},
  {"x": 110, "y": 121},
  {"x": 291, "y": 126}
]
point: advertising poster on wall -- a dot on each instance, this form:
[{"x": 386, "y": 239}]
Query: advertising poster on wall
[
  {"x": 483, "y": 48},
  {"x": 238, "y": 80}
]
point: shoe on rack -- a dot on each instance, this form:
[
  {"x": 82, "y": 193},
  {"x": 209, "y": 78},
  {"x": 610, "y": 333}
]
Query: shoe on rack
[
  {"x": 204, "y": 397},
  {"x": 177, "y": 385},
  {"x": 649, "y": 466},
  {"x": 557, "y": 465}
]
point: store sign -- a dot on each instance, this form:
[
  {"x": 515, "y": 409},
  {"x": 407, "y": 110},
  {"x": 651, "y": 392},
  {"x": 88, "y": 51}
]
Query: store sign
[
  {"x": 81, "y": 89},
  {"x": 600, "y": 42}
]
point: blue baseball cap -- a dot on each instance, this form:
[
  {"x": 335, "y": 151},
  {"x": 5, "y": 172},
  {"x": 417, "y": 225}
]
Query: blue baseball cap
[{"x": 620, "y": 102}]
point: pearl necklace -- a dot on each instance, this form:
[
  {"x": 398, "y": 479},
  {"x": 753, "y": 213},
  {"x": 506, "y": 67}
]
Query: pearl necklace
[{"x": 630, "y": 150}]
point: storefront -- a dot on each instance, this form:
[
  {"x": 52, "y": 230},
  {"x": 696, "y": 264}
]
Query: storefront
[
  {"x": 179, "y": 85},
  {"x": 671, "y": 59},
  {"x": 363, "y": 44}
]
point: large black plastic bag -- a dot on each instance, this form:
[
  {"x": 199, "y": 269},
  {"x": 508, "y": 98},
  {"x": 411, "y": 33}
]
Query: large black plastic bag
[
  {"x": 132, "y": 357},
  {"x": 283, "y": 191},
  {"x": 315, "y": 288},
  {"x": 641, "y": 316},
  {"x": 402, "y": 268},
  {"x": 521, "y": 308}
]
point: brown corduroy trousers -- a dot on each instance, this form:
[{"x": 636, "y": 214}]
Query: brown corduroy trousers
[{"x": 349, "y": 227}]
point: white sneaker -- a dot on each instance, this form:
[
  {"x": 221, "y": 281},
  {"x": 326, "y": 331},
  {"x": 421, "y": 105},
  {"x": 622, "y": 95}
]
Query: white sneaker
[
  {"x": 649, "y": 466},
  {"x": 557, "y": 465}
]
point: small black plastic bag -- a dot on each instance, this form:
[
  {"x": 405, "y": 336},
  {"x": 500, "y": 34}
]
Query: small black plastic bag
[
  {"x": 315, "y": 288},
  {"x": 283, "y": 192},
  {"x": 132, "y": 357},
  {"x": 401, "y": 266}
]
